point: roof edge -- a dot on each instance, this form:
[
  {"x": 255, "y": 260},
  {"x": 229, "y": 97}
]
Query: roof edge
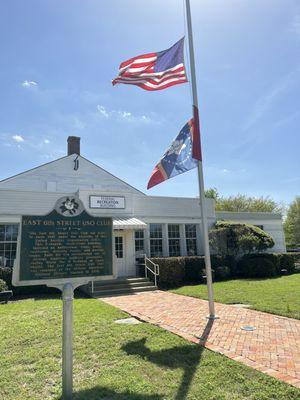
[{"x": 67, "y": 156}]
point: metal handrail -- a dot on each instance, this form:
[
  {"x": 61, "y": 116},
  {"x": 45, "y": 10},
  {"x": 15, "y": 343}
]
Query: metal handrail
[{"x": 156, "y": 269}]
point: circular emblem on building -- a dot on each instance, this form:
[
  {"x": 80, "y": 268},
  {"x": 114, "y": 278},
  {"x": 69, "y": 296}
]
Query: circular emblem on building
[{"x": 69, "y": 206}]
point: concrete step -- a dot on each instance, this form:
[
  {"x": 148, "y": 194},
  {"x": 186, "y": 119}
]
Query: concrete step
[
  {"x": 125, "y": 281},
  {"x": 113, "y": 286},
  {"x": 123, "y": 291},
  {"x": 116, "y": 287}
]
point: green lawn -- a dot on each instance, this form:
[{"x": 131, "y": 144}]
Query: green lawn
[
  {"x": 116, "y": 362},
  {"x": 277, "y": 295}
]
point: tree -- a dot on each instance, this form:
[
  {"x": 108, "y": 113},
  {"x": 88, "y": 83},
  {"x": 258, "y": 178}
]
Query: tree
[
  {"x": 292, "y": 222},
  {"x": 241, "y": 202},
  {"x": 234, "y": 239},
  {"x": 212, "y": 193}
]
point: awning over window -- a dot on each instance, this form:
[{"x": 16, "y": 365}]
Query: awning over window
[{"x": 129, "y": 223}]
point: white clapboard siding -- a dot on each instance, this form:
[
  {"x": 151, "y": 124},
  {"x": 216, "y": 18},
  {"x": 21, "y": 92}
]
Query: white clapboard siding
[
  {"x": 179, "y": 207},
  {"x": 60, "y": 176},
  {"x": 19, "y": 202}
]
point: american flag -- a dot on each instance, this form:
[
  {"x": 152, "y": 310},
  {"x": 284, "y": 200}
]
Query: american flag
[{"x": 154, "y": 71}]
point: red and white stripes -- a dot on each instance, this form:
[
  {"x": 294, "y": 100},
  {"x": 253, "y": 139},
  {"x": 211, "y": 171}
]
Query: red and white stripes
[{"x": 140, "y": 71}]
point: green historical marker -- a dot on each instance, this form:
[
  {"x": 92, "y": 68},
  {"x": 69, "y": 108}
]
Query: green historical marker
[
  {"x": 56, "y": 246},
  {"x": 67, "y": 244},
  {"x": 65, "y": 249}
]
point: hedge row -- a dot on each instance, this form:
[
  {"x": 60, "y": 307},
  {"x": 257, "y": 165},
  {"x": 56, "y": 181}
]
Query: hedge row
[
  {"x": 175, "y": 271},
  {"x": 268, "y": 264},
  {"x": 6, "y": 276},
  {"x": 3, "y": 285},
  {"x": 295, "y": 255}
]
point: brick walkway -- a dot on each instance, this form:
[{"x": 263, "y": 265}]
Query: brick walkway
[{"x": 273, "y": 347}]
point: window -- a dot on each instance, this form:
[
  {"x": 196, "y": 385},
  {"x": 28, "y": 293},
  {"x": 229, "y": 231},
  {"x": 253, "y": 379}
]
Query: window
[
  {"x": 119, "y": 246},
  {"x": 139, "y": 241},
  {"x": 191, "y": 239},
  {"x": 174, "y": 240},
  {"x": 8, "y": 244},
  {"x": 156, "y": 247}
]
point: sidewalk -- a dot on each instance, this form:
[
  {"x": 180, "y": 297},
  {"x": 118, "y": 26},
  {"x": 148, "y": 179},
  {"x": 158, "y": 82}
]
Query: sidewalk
[{"x": 273, "y": 347}]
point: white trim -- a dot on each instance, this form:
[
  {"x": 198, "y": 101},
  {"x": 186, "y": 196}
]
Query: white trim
[{"x": 128, "y": 223}]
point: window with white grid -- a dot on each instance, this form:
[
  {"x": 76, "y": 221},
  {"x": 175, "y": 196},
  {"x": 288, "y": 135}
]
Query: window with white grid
[
  {"x": 174, "y": 240},
  {"x": 139, "y": 241},
  {"x": 119, "y": 246},
  {"x": 191, "y": 239},
  {"x": 156, "y": 240},
  {"x": 8, "y": 244}
]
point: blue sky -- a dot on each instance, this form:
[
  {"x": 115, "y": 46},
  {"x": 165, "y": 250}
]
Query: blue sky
[{"x": 58, "y": 59}]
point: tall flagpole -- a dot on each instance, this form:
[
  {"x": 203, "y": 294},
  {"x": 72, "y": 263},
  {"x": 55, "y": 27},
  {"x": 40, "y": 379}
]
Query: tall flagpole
[{"x": 200, "y": 168}]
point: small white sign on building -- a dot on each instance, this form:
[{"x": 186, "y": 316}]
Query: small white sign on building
[{"x": 107, "y": 202}]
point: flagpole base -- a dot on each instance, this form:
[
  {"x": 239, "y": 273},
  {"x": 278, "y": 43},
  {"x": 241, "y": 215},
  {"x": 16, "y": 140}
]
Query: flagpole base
[{"x": 212, "y": 317}]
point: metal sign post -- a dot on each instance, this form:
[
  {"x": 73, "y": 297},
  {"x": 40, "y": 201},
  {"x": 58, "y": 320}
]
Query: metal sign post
[
  {"x": 67, "y": 290},
  {"x": 67, "y": 341}
]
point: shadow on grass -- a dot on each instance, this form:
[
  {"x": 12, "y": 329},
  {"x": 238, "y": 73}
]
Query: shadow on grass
[
  {"x": 185, "y": 357},
  {"x": 50, "y": 294},
  {"x": 104, "y": 393}
]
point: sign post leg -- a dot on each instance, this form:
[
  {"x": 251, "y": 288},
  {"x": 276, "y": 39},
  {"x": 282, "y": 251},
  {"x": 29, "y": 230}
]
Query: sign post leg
[{"x": 67, "y": 345}]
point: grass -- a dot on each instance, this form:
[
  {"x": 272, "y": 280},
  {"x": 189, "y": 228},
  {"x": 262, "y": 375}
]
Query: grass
[
  {"x": 279, "y": 296},
  {"x": 116, "y": 362}
]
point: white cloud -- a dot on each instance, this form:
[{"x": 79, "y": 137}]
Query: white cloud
[
  {"x": 18, "y": 138},
  {"x": 46, "y": 141},
  {"x": 102, "y": 111},
  {"x": 125, "y": 114},
  {"x": 28, "y": 84},
  {"x": 122, "y": 114}
]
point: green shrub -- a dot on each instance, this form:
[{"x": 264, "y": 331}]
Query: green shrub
[
  {"x": 273, "y": 257},
  {"x": 221, "y": 273},
  {"x": 258, "y": 266},
  {"x": 194, "y": 269},
  {"x": 233, "y": 239},
  {"x": 171, "y": 270},
  {"x": 6, "y": 275},
  {"x": 283, "y": 261},
  {"x": 175, "y": 271},
  {"x": 3, "y": 286},
  {"x": 295, "y": 255},
  {"x": 286, "y": 262}
]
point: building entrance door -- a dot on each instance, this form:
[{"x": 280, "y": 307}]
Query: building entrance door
[{"x": 120, "y": 254}]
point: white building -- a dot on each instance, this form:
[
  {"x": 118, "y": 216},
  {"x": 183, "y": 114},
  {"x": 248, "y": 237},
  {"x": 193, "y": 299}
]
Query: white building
[{"x": 157, "y": 226}]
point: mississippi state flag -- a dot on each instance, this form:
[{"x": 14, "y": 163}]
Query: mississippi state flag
[
  {"x": 154, "y": 71},
  {"x": 178, "y": 158}
]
